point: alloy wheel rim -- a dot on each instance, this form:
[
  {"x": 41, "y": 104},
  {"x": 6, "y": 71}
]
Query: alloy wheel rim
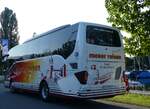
[{"x": 44, "y": 92}]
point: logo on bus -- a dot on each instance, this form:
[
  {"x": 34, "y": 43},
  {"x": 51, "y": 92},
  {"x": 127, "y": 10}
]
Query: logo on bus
[{"x": 104, "y": 56}]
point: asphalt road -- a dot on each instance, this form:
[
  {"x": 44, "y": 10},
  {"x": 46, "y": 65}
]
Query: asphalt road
[{"x": 10, "y": 100}]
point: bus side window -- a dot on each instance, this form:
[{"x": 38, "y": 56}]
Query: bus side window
[{"x": 68, "y": 47}]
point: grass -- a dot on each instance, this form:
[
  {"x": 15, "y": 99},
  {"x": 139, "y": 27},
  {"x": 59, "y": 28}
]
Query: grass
[{"x": 136, "y": 99}]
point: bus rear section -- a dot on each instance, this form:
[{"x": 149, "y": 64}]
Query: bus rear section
[{"x": 104, "y": 64}]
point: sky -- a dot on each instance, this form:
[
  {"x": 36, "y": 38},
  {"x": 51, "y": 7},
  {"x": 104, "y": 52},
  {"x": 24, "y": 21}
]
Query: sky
[{"x": 42, "y": 15}]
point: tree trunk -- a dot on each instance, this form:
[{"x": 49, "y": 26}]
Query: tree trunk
[
  {"x": 149, "y": 62},
  {"x": 138, "y": 62}
]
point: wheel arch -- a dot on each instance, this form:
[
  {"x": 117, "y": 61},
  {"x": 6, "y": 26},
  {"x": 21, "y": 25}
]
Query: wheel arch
[{"x": 41, "y": 83}]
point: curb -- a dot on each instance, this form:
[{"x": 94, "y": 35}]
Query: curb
[
  {"x": 123, "y": 105},
  {"x": 140, "y": 92}
]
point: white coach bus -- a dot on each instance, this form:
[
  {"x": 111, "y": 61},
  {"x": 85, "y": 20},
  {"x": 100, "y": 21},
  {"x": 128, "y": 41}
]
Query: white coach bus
[{"x": 83, "y": 60}]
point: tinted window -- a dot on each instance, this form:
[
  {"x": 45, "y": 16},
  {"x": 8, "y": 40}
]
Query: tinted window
[
  {"x": 61, "y": 42},
  {"x": 67, "y": 47},
  {"x": 102, "y": 36}
]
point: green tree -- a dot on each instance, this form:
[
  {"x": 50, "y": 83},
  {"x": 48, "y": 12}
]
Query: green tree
[
  {"x": 9, "y": 27},
  {"x": 132, "y": 16},
  {"x": 8, "y": 30}
]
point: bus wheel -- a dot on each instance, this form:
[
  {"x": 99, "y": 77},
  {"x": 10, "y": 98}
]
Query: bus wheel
[{"x": 44, "y": 91}]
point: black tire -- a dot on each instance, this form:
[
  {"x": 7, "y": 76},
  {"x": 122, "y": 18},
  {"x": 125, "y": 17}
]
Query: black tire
[{"x": 44, "y": 91}]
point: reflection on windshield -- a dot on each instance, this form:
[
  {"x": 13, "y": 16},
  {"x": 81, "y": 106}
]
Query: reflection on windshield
[{"x": 102, "y": 36}]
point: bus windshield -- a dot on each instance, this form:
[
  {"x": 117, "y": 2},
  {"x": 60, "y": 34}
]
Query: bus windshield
[{"x": 102, "y": 36}]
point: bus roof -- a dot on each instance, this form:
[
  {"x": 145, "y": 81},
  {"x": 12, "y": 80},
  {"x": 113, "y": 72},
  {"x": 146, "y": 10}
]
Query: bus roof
[
  {"x": 65, "y": 26},
  {"x": 48, "y": 32}
]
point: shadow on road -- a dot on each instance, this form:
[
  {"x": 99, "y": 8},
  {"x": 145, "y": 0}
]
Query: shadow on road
[
  {"x": 66, "y": 103},
  {"x": 32, "y": 100},
  {"x": 85, "y": 104}
]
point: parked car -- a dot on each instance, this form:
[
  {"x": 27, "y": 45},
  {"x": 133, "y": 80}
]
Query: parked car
[
  {"x": 135, "y": 85},
  {"x": 144, "y": 77},
  {"x": 139, "y": 80}
]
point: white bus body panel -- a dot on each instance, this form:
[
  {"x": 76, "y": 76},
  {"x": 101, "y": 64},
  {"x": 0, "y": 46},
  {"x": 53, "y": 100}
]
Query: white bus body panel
[{"x": 102, "y": 81}]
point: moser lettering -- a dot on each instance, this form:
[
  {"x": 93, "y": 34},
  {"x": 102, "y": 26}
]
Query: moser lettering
[{"x": 104, "y": 56}]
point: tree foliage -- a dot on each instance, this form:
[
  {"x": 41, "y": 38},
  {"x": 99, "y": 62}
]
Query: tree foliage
[
  {"x": 8, "y": 30},
  {"x": 9, "y": 27},
  {"x": 133, "y": 16}
]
